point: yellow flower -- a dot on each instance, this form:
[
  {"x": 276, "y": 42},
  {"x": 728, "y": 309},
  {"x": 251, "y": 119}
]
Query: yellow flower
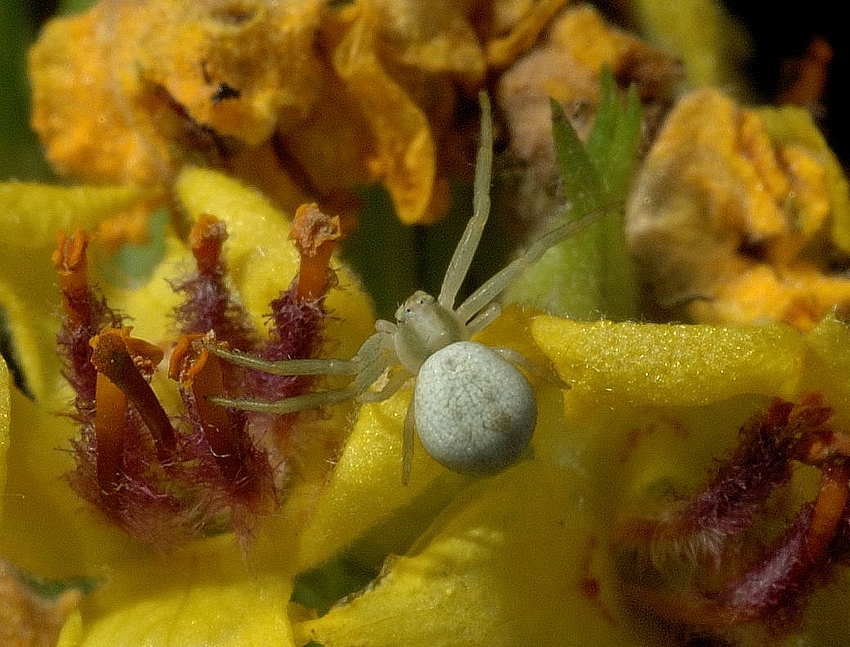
[{"x": 528, "y": 555}]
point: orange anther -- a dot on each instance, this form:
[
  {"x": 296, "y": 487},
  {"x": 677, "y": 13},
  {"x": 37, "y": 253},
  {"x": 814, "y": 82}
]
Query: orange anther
[
  {"x": 205, "y": 239},
  {"x": 69, "y": 261},
  {"x": 116, "y": 356},
  {"x": 200, "y": 372},
  {"x": 315, "y": 235}
]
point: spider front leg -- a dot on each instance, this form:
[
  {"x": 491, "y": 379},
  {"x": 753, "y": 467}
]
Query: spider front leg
[
  {"x": 367, "y": 366},
  {"x": 468, "y": 244},
  {"x": 368, "y": 352},
  {"x": 483, "y": 297},
  {"x": 479, "y": 304}
]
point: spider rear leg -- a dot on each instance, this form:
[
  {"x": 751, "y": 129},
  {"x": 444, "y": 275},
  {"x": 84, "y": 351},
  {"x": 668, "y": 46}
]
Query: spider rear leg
[
  {"x": 294, "y": 404},
  {"x": 407, "y": 444},
  {"x": 518, "y": 359}
]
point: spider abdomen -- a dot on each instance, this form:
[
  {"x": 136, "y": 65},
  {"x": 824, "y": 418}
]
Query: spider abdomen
[{"x": 474, "y": 411}]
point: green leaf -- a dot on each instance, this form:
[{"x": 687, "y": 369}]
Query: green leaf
[
  {"x": 591, "y": 274},
  {"x": 582, "y": 184},
  {"x": 607, "y": 117},
  {"x": 621, "y": 156}
]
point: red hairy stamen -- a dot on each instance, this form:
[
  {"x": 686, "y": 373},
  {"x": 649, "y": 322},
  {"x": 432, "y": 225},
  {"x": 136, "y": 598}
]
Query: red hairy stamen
[
  {"x": 297, "y": 315},
  {"x": 166, "y": 479},
  {"x": 85, "y": 315},
  {"x": 772, "y": 591},
  {"x": 209, "y": 304}
]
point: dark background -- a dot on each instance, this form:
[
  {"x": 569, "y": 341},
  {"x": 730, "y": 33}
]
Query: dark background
[{"x": 783, "y": 30}]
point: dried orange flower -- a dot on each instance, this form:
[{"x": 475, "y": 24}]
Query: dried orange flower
[
  {"x": 567, "y": 67},
  {"x": 732, "y": 212},
  {"x": 303, "y": 98}
]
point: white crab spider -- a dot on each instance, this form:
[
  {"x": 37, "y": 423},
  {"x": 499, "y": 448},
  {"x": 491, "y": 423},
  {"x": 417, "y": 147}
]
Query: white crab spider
[{"x": 473, "y": 411}]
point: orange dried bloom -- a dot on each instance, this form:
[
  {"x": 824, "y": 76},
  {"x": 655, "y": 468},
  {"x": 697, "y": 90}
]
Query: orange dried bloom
[
  {"x": 567, "y": 67},
  {"x": 304, "y": 98},
  {"x": 727, "y": 217}
]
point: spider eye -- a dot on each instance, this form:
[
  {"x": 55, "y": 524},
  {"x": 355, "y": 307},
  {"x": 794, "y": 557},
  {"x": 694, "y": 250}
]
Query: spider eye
[{"x": 413, "y": 303}]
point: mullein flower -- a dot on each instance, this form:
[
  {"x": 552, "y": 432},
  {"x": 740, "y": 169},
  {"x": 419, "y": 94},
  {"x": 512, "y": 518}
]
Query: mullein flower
[
  {"x": 650, "y": 408},
  {"x": 166, "y": 478}
]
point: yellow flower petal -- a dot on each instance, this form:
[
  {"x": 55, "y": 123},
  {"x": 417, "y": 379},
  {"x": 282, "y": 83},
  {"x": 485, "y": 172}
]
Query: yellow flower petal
[
  {"x": 669, "y": 365},
  {"x": 827, "y": 365},
  {"x": 36, "y": 498},
  {"x": 30, "y": 216},
  {"x": 201, "y": 596},
  {"x": 405, "y": 157}
]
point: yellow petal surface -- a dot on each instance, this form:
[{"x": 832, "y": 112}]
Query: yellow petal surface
[
  {"x": 827, "y": 365},
  {"x": 670, "y": 365},
  {"x": 30, "y": 216},
  {"x": 198, "y": 597},
  {"x": 33, "y": 213},
  {"x": 37, "y": 499}
]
